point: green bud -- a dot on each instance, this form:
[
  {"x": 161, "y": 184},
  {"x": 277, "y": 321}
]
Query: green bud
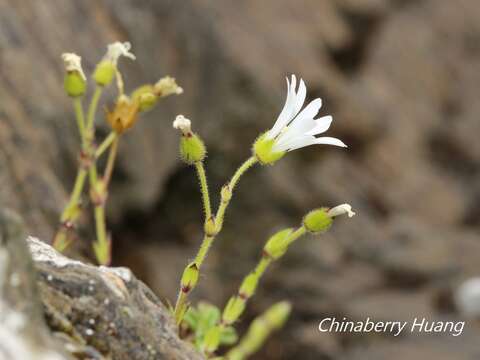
[
  {"x": 317, "y": 221},
  {"x": 233, "y": 310},
  {"x": 74, "y": 84},
  {"x": 189, "y": 277},
  {"x": 226, "y": 193},
  {"x": 192, "y": 148},
  {"x": 210, "y": 227},
  {"x": 212, "y": 339},
  {"x": 104, "y": 72},
  {"x": 278, "y": 314},
  {"x": 145, "y": 96},
  {"x": 249, "y": 284},
  {"x": 277, "y": 245},
  {"x": 262, "y": 149}
]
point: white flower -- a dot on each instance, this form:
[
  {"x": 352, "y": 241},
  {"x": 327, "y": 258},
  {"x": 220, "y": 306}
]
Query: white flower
[
  {"x": 117, "y": 49},
  {"x": 183, "y": 124},
  {"x": 73, "y": 62},
  {"x": 340, "y": 210},
  {"x": 295, "y": 129}
]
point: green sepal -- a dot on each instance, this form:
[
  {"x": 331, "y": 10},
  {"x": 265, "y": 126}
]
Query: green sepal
[
  {"x": 262, "y": 149},
  {"x": 75, "y": 85},
  {"x": 104, "y": 72},
  {"x": 277, "y": 245},
  {"x": 317, "y": 221},
  {"x": 192, "y": 148}
]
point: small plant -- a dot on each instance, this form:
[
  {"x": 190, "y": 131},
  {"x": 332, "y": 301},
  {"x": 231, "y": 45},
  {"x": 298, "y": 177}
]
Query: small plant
[{"x": 205, "y": 325}]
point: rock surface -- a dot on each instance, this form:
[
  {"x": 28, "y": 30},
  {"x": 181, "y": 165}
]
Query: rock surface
[{"x": 55, "y": 308}]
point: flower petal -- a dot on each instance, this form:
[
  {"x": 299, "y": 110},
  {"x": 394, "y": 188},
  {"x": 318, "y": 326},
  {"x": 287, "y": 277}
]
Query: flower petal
[
  {"x": 296, "y": 129},
  {"x": 330, "y": 141},
  {"x": 310, "y": 111},
  {"x": 307, "y": 140},
  {"x": 300, "y": 97},
  {"x": 321, "y": 125},
  {"x": 295, "y": 143},
  {"x": 283, "y": 118}
]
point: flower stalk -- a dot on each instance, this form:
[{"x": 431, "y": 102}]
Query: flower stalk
[{"x": 193, "y": 152}]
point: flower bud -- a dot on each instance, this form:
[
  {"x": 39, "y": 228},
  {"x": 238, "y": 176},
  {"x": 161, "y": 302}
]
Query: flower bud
[
  {"x": 210, "y": 227},
  {"x": 167, "y": 86},
  {"x": 233, "y": 310},
  {"x": 225, "y": 193},
  {"x": 189, "y": 277},
  {"x": 278, "y": 314},
  {"x": 145, "y": 97},
  {"x": 75, "y": 82},
  {"x": 249, "y": 285},
  {"x": 277, "y": 245},
  {"x": 317, "y": 221},
  {"x": 212, "y": 339},
  {"x": 192, "y": 148},
  {"x": 263, "y": 150}
]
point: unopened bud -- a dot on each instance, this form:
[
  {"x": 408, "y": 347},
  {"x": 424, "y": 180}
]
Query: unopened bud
[
  {"x": 226, "y": 193},
  {"x": 75, "y": 82},
  {"x": 277, "y": 245},
  {"x": 249, "y": 285},
  {"x": 145, "y": 97},
  {"x": 317, "y": 221},
  {"x": 233, "y": 310},
  {"x": 167, "y": 86},
  {"x": 189, "y": 277},
  {"x": 210, "y": 227},
  {"x": 192, "y": 148},
  {"x": 277, "y": 314},
  {"x": 263, "y": 150}
]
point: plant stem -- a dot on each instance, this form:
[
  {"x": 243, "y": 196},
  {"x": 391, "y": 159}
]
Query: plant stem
[
  {"x": 219, "y": 217},
  {"x": 204, "y": 189},
  {"x": 67, "y": 218},
  {"x": 181, "y": 305},
  {"x": 204, "y": 247},
  {"x": 105, "y": 144},
  {"x": 111, "y": 161},
  {"x": 93, "y": 107},
  {"x": 77, "y": 105}
]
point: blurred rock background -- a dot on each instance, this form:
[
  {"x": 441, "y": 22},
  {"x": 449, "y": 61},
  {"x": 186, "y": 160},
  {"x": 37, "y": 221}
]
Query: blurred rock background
[{"x": 402, "y": 80}]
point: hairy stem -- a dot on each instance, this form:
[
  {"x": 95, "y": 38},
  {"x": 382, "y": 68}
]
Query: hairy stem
[
  {"x": 202, "y": 177},
  {"x": 208, "y": 239}
]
